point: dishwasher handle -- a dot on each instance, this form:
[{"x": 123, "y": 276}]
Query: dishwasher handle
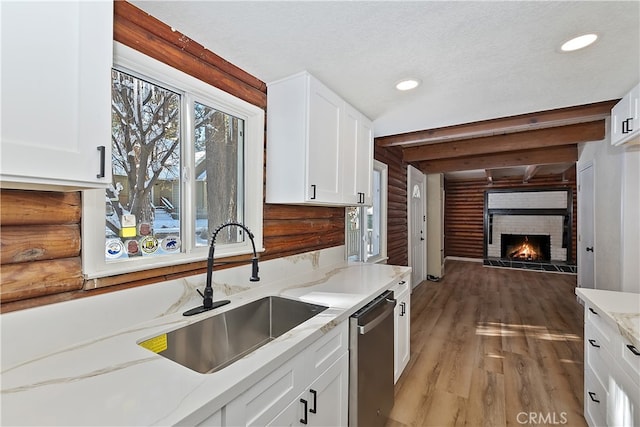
[{"x": 390, "y": 305}]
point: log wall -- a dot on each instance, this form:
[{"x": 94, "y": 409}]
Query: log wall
[
  {"x": 397, "y": 228},
  {"x": 464, "y": 211},
  {"x": 40, "y": 239}
]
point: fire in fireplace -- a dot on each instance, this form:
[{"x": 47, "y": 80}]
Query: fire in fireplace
[{"x": 521, "y": 247}]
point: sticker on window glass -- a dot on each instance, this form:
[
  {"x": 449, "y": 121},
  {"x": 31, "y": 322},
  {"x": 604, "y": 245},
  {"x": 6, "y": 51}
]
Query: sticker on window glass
[
  {"x": 133, "y": 248},
  {"x": 149, "y": 245},
  {"x": 145, "y": 229},
  {"x": 171, "y": 244},
  {"x": 114, "y": 248}
]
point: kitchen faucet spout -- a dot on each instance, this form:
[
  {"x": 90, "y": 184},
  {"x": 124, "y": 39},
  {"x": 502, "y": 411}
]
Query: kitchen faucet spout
[{"x": 207, "y": 297}]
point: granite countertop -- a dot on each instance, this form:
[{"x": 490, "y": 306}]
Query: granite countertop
[
  {"x": 78, "y": 363},
  {"x": 620, "y": 309}
]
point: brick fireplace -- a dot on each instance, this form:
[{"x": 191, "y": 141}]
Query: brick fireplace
[{"x": 529, "y": 228}]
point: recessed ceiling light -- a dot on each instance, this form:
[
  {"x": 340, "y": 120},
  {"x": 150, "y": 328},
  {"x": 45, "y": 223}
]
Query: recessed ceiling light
[
  {"x": 578, "y": 42},
  {"x": 407, "y": 84}
]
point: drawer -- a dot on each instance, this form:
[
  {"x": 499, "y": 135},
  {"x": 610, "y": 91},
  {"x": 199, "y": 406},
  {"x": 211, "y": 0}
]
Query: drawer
[
  {"x": 403, "y": 285},
  {"x": 629, "y": 359},
  {"x": 592, "y": 316},
  {"x": 597, "y": 356},
  {"x": 595, "y": 400}
]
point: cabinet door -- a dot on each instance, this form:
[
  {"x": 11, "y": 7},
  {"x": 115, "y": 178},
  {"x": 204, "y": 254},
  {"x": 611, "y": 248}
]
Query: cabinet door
[
  {"x": 625, "y": 118},
  {"x": 364, "y": 160},
  {"x": 269, "y": 397},
  {"x": 328, "y": 396},
  {"x": 56, "y": 93},
  {"x": 618, "y": 116},
  {"x": 323, "y": 154},
  {"x": 402, "y": 329},
  {"x": 324, "y": 403},
  {"x": 349, "y": 159},
  {"x": 292, "y": 415}
]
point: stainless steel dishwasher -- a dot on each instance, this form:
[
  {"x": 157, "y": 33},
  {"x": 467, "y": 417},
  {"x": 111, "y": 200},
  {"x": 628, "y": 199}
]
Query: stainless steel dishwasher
[{"x": 371, "y": 362}]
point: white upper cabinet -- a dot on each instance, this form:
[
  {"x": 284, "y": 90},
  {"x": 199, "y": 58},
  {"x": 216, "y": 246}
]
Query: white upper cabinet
[
  {"x": 319, "y": 148},
  {"x": 625, "y": 119},
  {"x": 56, "y": 94}
]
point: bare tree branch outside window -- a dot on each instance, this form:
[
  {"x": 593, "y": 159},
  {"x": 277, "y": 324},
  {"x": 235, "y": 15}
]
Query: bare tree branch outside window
[{"x": 146, "y": 164}]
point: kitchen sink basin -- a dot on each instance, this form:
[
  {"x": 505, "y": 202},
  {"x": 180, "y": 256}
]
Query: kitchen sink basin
[{"x": 213, "y": 343}]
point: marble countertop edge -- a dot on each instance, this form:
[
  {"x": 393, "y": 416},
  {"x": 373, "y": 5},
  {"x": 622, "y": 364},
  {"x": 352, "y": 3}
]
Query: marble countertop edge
[
  {"x": 114, "y": 369},
  {"x": 621, "y": 310}
]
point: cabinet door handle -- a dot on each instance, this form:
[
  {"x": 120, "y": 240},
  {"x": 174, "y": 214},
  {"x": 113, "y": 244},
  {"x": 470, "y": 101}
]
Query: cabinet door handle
[
  {"x": 315, "y": 401},
  {"x": 626, "y": 128},
  {"x": 304, "y": 420},
  {"x": 593, "y": 311},
  {"x": 633, "y": 349},
  {"x": 591, "y": 395},
  {"x": 403, "y": 308},
  {"x": 102, "y": 150},
  {"x": 313, "y": 191},
  {"x": 593, "y": 343},
  {"x": 590, "y": 249}
]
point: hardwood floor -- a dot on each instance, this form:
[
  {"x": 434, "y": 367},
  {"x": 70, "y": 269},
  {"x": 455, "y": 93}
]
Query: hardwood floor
[{"x": 493, "y": 347}]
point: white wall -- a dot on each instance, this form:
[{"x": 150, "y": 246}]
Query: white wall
[
  {"x": 615, "y": 170},
  {"x": 631, "y": 220}
]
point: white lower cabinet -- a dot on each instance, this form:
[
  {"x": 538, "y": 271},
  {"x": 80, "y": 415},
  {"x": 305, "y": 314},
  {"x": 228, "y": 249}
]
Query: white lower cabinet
[
  {"x": 612, "y": 375},
  {"x": 324, "y": 403},
  {"x": 402, "y": 326},
  {"x": 318, "y": 376}
]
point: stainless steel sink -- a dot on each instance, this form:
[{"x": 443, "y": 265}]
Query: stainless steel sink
[{"x": 213, "y": 343}]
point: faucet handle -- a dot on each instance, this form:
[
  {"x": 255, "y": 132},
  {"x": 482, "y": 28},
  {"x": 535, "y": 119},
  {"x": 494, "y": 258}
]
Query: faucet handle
[{"x": 200, "y": 292}]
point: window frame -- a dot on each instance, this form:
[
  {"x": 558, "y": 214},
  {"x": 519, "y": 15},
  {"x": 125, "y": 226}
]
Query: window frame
[
  {"x": 383, "y": 169},
  {"x": 192, "y": 90}
]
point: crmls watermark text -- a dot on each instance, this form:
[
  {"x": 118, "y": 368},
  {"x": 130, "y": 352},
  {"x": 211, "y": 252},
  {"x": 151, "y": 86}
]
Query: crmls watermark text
[{"x": 542, "y": 418}]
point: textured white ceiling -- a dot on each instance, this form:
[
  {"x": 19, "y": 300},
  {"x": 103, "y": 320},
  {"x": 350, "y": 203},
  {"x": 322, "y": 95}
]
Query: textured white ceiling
[{"x": 477, "y": 60}]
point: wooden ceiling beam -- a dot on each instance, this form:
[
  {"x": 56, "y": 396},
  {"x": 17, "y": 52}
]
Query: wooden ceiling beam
[
  {"x": 530, "y": 172},
  {"x": 521, "y": 123},
  {"x": 489, "y": 174},
  {"x": 537, "y": 156},
  {"x": 539, "y": 138}
]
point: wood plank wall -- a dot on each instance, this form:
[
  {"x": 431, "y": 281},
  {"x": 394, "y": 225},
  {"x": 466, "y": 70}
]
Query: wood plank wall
[
  {"x": 464, "y": 211},
  {"x": 40, "y": 240},
  {"x": 397, "y": 228}
]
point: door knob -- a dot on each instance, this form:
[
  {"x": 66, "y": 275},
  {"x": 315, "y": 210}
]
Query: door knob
[{"x": 590, "y": 249}]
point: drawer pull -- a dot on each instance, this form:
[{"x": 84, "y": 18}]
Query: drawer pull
[
  {"x": 304, "y": 420},
  {"x": 593, "y": 311},
  {"x": 633, "y": 349},
  {"x": 593, "y": 343},
  {"x": 591, "y": 395},
  {"x": 315, "y": 401},
  {"x": 402, "y": 282}
]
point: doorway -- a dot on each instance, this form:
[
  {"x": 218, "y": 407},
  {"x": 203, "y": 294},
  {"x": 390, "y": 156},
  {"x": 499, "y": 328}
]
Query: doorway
[
  {"x": 586, "y": 254},
  {"x": 417, "y": 220}
]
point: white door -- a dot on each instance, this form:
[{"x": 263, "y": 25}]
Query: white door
[
  {"x": 416, "y": 212},
  {"x": 585, "y": 250}
]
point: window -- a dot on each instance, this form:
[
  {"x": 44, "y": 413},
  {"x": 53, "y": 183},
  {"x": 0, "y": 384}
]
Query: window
[
  {"x": 366, "y": 226},
  {"x": 186, "y": 157}
]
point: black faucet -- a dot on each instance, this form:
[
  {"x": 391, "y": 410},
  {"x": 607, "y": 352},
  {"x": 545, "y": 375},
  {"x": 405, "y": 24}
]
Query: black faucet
[{"x": 207, "y": 297}]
